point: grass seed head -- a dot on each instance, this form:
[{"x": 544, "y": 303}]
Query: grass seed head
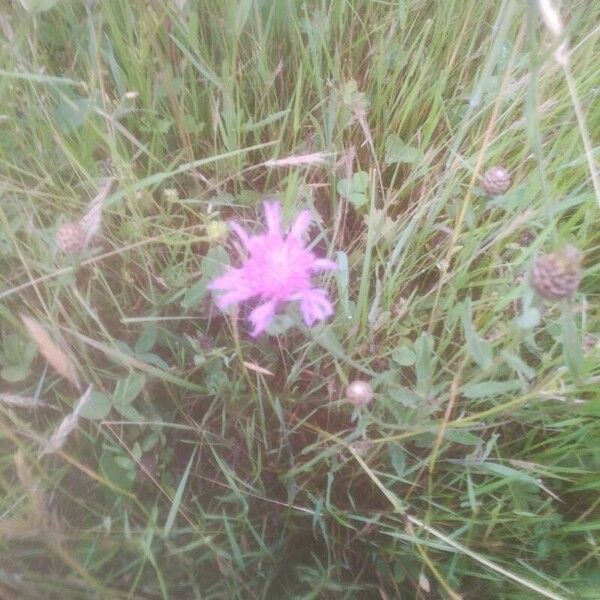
[
  {"x": 70, "y": 238},
  {"x": 359, "y": 393},
  {"x": 557, "y": 275},
  {"x": 496, "y": 181}
]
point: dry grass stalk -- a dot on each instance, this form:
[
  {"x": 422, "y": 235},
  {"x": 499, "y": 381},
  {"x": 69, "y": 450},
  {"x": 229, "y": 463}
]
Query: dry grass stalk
[
  {"x": 552, "y": 20},
  {"x": 34, "y": 493},
  {"x": 20, "y": 401},
  {"x": 315, "y": 158},
  {"x": 67, "y": 426},
  {"x": 91, "y": 221},
  {"x": 50, "y": 351}
]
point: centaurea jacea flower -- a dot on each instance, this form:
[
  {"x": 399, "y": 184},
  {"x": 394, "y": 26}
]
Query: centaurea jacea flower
[{"x": 277, "y": 270}]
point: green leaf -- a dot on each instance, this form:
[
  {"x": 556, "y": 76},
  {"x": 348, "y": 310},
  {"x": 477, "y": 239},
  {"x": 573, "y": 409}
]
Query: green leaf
[
  {"x": 529, "y": 318},
  {"x": 396, "y": 151},
  {"x": 178, "y": 496},
  {"x": 518, "y": 364},
  {"x": 115, "y": 473},
  {"x": 424, "y": 351},
  {"x": 147, "y": 340},
  {"x": 128, "y": 389},
  {"x": 130, "y": 413},
  {"x": 97, "y": 407},
  {"x": 571, "y": 342},
  {"x": 14, "y": 373},
  {"x": 487, "y": 389},
  {"x": 360, "y": 181},
  {"x": 405, "y": 397},
  {"x": 214, "y": 263},
  {"x": 479, "y": 349},
  {"x": 354, "y": 189},
  {"x": 398, "y": 459},
  {"x": 37, "y": 6},
  {"x": 461, "y": 436},
  {"x": 195, "y": 294},
  {"x": 404, "y": 356}
]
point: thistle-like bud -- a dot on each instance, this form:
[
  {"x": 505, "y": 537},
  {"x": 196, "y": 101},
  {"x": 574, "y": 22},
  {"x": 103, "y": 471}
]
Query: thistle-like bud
[
  {"x": 496, "y": 181},
  {"x": 216, "y": 230},
  {"x": 359, "y": 393},
  {"x": 557, "y": 275},
  {"x": 70, "y": 238}
]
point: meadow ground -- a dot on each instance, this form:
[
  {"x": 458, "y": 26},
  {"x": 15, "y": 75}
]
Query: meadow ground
[{"x": 205, "y": 463}]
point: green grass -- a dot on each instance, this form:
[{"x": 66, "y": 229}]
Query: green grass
[{"x": 199, "y": 475}]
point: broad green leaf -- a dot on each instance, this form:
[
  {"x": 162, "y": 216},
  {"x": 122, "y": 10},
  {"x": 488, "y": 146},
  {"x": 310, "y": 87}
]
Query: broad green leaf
[
  {"x": 508, "y": 473},
  {"x": 195, "y": 294},
  {"x": 529, "y": 318},
  {"x": 346, "y": 190},
  {"x": 97, "y": 407},
  {"x": 405, "y": 396},
  {"x": 479, "y": 349},
  {"x": 115, "y": 473},
  {"x": 571, "y": 343},
  {"x": 354, "y": 189},
  {"x": 14, "y": 373},
  {"x": 396, "y": 151},
  {"x": 518, "y": 364},
  {"x": 129, "y": 412},
  {"x": 462, "y": 436},
  {"x": 398, "y": 459},
  {"x": 214, "y": 263},
  {"x": 360, "y": 181},
  {"x": 147, "y": 340},
  {"x": 488, "y": 389},
  {"x": 424, "y": 351},
  {"x": 128, "y": 389},
  {"x": 404, "y": 356}
]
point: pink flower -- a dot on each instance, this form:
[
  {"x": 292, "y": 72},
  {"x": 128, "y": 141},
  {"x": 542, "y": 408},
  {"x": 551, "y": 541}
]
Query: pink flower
[{"x": 277, "y": 270}]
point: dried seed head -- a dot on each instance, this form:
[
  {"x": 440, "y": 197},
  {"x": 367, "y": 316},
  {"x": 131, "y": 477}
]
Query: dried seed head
[
  {"x": 70, "y": 238},
  {"x": 557, "y": 275},
  {"x": 496, "y": 181},
  {"x": 359, "y": 393}
]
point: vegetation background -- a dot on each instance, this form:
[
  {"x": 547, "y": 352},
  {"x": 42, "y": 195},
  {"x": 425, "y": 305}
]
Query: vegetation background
[{"x": 205, "y": 464}]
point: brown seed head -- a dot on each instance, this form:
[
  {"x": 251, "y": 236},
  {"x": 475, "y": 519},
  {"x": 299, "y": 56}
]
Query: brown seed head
[
  {"x": 70, "y": 238},
  {"x": 496, "y": 181},
  {"x": 557, "y": 275},
  {"x": 359, "y": 393}
]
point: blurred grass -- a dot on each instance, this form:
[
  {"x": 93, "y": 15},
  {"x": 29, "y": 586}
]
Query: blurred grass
[{"x": 209, "y": 478}]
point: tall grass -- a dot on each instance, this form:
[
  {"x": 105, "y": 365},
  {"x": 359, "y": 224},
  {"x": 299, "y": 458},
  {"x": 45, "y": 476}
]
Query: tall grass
[{"x": 207, "y": 464}]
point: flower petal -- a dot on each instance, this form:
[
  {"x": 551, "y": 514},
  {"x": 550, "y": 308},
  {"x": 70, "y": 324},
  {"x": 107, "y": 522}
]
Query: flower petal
[
  {"x": 261, "y": 316},
  {"x": 301, "y": 224},
  {"x": 273, "y": 217},
  {"x": 234, "y": 284},
  {"x": 314, "y": 305},
  {"x": 244, "y": 238},
  {"x": 233, "y": 297}
]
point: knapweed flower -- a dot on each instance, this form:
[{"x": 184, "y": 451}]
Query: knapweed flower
[{"x": 277, "y": 270}]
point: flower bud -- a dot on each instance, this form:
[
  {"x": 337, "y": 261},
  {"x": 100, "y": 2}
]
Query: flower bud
[
  {"x": 496, "y": 181},
  {"x": 70, "y": 238},
  {"x": 557, "y": 275},
  {"x": 359, "y": 393}
]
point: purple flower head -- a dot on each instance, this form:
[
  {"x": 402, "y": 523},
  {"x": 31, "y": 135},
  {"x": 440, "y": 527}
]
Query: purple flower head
[{"x": 277, "y": 270}]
